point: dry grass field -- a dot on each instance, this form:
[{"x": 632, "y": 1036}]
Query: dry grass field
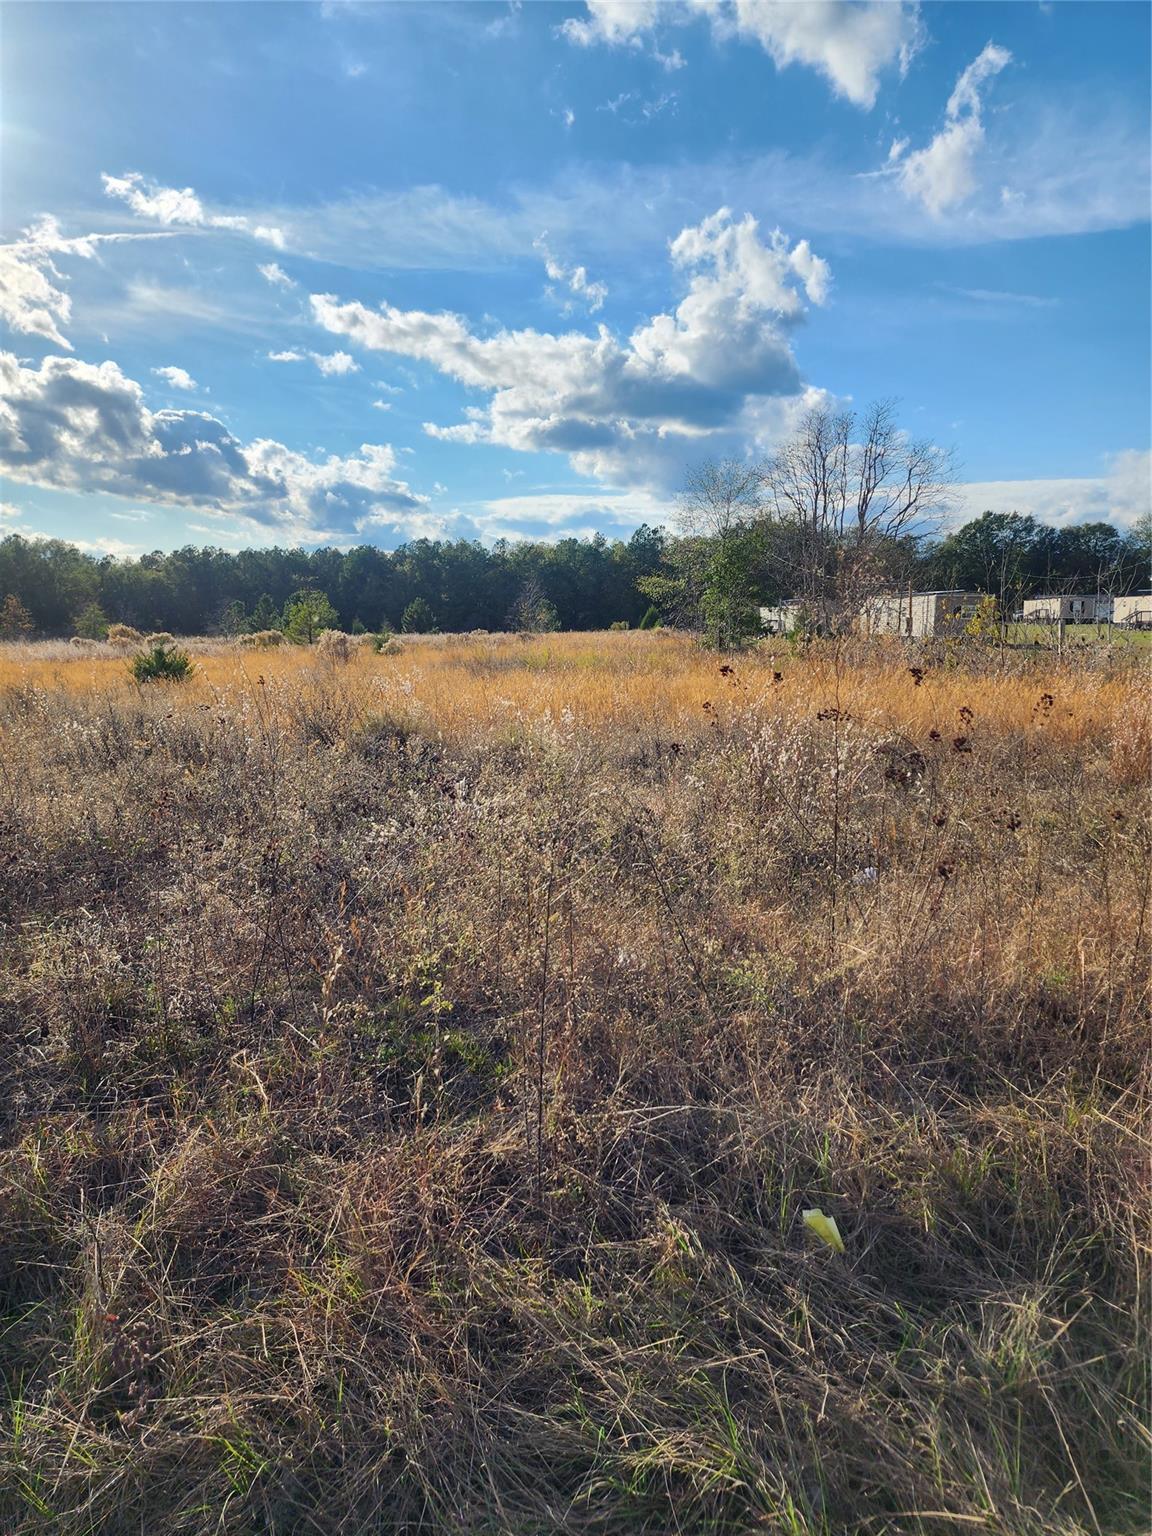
[{"x": 413, "y": 1073}]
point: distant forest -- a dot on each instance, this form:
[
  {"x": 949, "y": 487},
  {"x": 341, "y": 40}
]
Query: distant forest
[{"x": 51, "y": 588}]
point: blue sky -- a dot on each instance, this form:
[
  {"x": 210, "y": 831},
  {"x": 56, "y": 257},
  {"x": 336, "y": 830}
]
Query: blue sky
[{"x": 357, "y": 273}]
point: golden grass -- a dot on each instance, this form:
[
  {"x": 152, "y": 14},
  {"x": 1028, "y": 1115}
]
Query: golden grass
[
  {"x": 458, "y": 685},
  {"x": 413, "y": 1073}
]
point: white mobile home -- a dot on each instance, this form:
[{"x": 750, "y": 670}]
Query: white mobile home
[
  {"x": 1133, "y": 611},
  {"x": 1072, "y": 607},
  {"x": 781, "y": 619},
  {"x": 917, "y": 615}
]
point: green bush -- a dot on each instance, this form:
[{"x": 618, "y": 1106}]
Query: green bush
[
  {"x": 417, "y": 618},
  {"x": 161, "y": 663},
  {"x": 651, "y": 619},
  {"x": 619, "y": 624},
  {"x": 306, "y": 614},
  {"x": 92, "y": 623}
]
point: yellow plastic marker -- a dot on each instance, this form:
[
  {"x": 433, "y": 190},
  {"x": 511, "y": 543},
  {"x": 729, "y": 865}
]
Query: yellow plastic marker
[{"x": 825, "y": 1228}]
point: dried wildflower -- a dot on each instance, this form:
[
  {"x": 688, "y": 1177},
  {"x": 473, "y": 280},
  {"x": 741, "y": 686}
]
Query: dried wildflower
[
  {"x": 917, "y": 675},
  {"x": 961, "y": 744}
]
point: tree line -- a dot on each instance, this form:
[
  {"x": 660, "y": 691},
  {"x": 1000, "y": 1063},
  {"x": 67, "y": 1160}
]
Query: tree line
[
  {"x": 423, "y": 585},
  {"x": 841, "y": 511}
]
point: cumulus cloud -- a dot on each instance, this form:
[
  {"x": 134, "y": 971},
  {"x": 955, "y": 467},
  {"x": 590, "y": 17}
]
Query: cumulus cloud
[
  {"x": 84, "y": 427},
  {"x": 31, "y": 300},
  {"x": 574, "y": 279},
  {"x": 272, "y": 272},
  {"x": 627, "y": 410},
  {"x": 327, "y": 362},
  {"x": 182, "y": 207},
  {"x": 178, "y": 378},
  {"x": 850, "y": 42},
  {"x": 943, "y": 173},
  {"x": 619, "y": 23}
]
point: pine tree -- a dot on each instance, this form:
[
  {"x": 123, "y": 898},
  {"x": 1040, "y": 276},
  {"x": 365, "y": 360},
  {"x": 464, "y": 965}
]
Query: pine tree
[{"x": 417, "y": 618}]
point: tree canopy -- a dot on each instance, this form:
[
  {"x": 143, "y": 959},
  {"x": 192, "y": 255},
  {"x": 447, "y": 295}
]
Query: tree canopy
[{"x": 575, "y": 583}]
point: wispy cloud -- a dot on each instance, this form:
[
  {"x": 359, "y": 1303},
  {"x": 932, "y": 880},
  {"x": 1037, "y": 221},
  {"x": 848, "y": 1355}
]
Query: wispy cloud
[
  {"x": 32, "y": 302},
  {"x": 943, "y": 174},
  {"x": 1001, "y": 298},
  {"x": 181, "y": 206},
  {"x": 574, "y": 280},
  {"x": 272, "y": 272},
  {"x": 330, "y": 363}
]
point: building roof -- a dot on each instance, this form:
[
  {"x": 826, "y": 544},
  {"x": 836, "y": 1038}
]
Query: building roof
[{"x": 936, "y": 592}]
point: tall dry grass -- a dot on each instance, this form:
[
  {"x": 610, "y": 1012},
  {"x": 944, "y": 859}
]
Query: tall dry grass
[{"x": 415, "y": 1068}]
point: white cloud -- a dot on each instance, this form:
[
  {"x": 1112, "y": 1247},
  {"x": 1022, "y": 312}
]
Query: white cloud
[
  {"x": 1120, "y": 496},
  {"x": 619, "y": 23},
  {"x": 273, "y": 272},
  {"x": 626, "y": 411},
  {"x": 31, "y": 303},
  {"x": 381, "y": 405},
  {"x": 1001, "y": 297},
  {"x": 943, "y": 173},
  {"x": 1073, "y": 172},
  {"x": 182, "y": 207},
  {"x": 551, "y": 515},
  {"x": 575, "y": 279},
  {"x": 104, "y": 545},
  {"x": 331, "y": 363},
  {"x": 850, "y": 42},
  {"x": 84, "y": 427},
  {"x": 633, "y": 108},
  {"x": 178, "y": 378}
]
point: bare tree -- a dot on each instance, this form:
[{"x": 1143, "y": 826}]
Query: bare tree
[
  {"x": 843, "y": 494},
  {"x": 720, "y": 497},
  {"x": 720, "y": 513}
]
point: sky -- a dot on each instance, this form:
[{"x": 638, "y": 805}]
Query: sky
[{"x": 359, "y": 273}]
